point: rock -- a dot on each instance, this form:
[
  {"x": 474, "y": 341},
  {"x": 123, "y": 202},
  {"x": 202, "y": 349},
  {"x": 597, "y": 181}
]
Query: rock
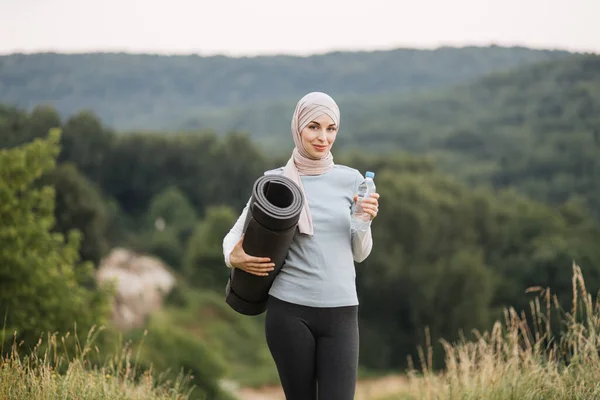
[{"x": 141, "y": 283}]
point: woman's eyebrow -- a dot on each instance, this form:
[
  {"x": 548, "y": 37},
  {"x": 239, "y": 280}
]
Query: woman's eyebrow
[{"x": 315, "y": 122}]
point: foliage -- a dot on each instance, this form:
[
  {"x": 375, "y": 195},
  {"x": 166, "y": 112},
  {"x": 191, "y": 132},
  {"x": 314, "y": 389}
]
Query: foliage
[
  {"x": 79, "y": 205},
  {"x": 535, "y": 128},
  {"x": 18, "y": 127},
  {"x": 174, "y": 352},
  {"x": 449, "y": 258},
  {"x": 168, "y": 224},
  {"x": 165, "y": 245},
  {"x": 47, "y": 372},
  {"x": 204, "y": 168},
  {"x": 171, "y": 209},
  {"x": 157, "y": 92},
  {"x": 519, "y": 359},
  {"x": 39, "y": 269},
  {"x": 87, "y": 144},
  {"x": 237, "y": 340},
  {"x": 488, "y": 188},
  {"x": 204, "y": 254}
]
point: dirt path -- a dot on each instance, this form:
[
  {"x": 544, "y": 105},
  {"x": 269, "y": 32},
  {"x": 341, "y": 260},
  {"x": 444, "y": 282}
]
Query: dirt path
[{"x": 366, "y": 389}]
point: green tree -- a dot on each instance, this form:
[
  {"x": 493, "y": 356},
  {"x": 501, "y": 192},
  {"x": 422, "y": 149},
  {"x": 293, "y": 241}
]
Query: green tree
[
  {"x": 204, "y": 265},
  {"x": 79, "y": 205},
  {"x": 170, "y": 209},
  {"x": 451, "y": 258},
  {"x": 18, "y": 127},
  {"x": 426, "y": 269},
  {"x": 174, "y": 350},
  {"x": 40, "y": 274},
  {"x": 143, "y": 165},
  {"x": 41, "y": 120},
  {"x": 169, "y": 222},
  {"x": 206, "y": 169},
  {"x": 165, "y": 245},
  {"x": 87, "y": 144}
]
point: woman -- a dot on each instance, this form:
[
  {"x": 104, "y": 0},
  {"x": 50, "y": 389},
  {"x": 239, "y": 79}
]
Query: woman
[{"x": 312, "y": 316}]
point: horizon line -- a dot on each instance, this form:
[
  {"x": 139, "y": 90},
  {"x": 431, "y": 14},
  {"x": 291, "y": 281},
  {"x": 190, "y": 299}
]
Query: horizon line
[{"x": 298, "y": 54}]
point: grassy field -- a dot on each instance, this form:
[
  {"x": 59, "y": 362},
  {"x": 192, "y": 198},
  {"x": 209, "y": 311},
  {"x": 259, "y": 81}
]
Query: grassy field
[
  {"x": 50, "y": 372},
  {"x": 520, "y": 358}
]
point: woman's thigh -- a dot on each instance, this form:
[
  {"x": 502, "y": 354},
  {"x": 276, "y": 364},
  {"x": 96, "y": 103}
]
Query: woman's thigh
[
  {"x": 292, "y": 345},
  {"x": 337, "y": 354}
]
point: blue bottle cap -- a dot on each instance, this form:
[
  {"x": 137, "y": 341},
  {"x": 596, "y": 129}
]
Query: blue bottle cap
[{"x": 370, "y": 174}]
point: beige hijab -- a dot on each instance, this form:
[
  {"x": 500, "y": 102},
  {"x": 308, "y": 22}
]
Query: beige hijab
[{"x": 300, "y": 163}]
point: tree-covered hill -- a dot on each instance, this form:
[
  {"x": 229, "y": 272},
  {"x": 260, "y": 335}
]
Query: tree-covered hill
[
  {"x": 536, "y": 127},
  {"x": 130, "y": 91}
]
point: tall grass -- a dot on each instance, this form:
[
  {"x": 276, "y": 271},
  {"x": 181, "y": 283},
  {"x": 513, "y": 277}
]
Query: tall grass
[
  {"x": 521, "y": 358},
  {"x": 49, "y": 371}
]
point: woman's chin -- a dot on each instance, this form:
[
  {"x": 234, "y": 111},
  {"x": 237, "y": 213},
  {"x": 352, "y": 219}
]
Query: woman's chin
[
  {"x": 316, "y": 153},
  {"x": 320, "y": 155}
]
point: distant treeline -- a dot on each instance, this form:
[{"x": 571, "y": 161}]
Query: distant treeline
[
  {"x": 536, "y": 128},
  {"x": 160, "y": 92}
]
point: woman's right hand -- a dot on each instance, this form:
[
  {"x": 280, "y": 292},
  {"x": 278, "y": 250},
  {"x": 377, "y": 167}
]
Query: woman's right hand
[{"x": 260, "y": 266}]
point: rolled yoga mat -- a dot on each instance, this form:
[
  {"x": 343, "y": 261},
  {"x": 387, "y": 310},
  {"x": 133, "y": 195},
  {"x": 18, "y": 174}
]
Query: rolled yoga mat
[{"x": 269, "y": 228}]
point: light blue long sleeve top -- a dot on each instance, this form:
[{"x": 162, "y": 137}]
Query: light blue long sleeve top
[{"x": 319, "y": 270}]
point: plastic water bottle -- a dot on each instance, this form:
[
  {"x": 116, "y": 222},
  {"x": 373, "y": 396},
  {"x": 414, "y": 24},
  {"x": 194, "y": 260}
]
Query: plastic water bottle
[{"x": 360, "y": 219}]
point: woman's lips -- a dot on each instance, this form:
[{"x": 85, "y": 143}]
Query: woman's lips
[{"x": 320, "y": 148}]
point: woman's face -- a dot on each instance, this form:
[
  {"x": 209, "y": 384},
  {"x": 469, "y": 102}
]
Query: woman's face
[{"x": 318, "y": 136}]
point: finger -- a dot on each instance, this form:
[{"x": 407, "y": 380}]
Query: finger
[
  {"x": 258, "y": 270},
  {"x": 371, "y": 209},
  {"x": 257, "y": 273},
  {"x": 261, "y": 266},
  {"x": 375, "y": 195},
  {"x": 370, "y": 206},
  {"x": 372, "y": 213},
  {"x": 253, "y": 259}
]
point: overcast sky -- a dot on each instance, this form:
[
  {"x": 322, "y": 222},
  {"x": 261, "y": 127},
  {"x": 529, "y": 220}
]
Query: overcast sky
[{"x": 249, "y": 27}]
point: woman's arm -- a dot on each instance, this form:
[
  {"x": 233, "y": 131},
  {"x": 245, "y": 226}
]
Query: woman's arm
[
  {"x": 362, "y": 243},
  {"x": 234, "y": 235}
]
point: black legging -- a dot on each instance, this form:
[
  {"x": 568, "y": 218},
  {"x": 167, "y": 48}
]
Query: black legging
[{"x": 315, "y": 349}]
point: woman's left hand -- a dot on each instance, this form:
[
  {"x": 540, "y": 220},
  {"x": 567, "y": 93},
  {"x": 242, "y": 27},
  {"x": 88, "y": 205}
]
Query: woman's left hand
[{"x": 370, "y": 205}]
